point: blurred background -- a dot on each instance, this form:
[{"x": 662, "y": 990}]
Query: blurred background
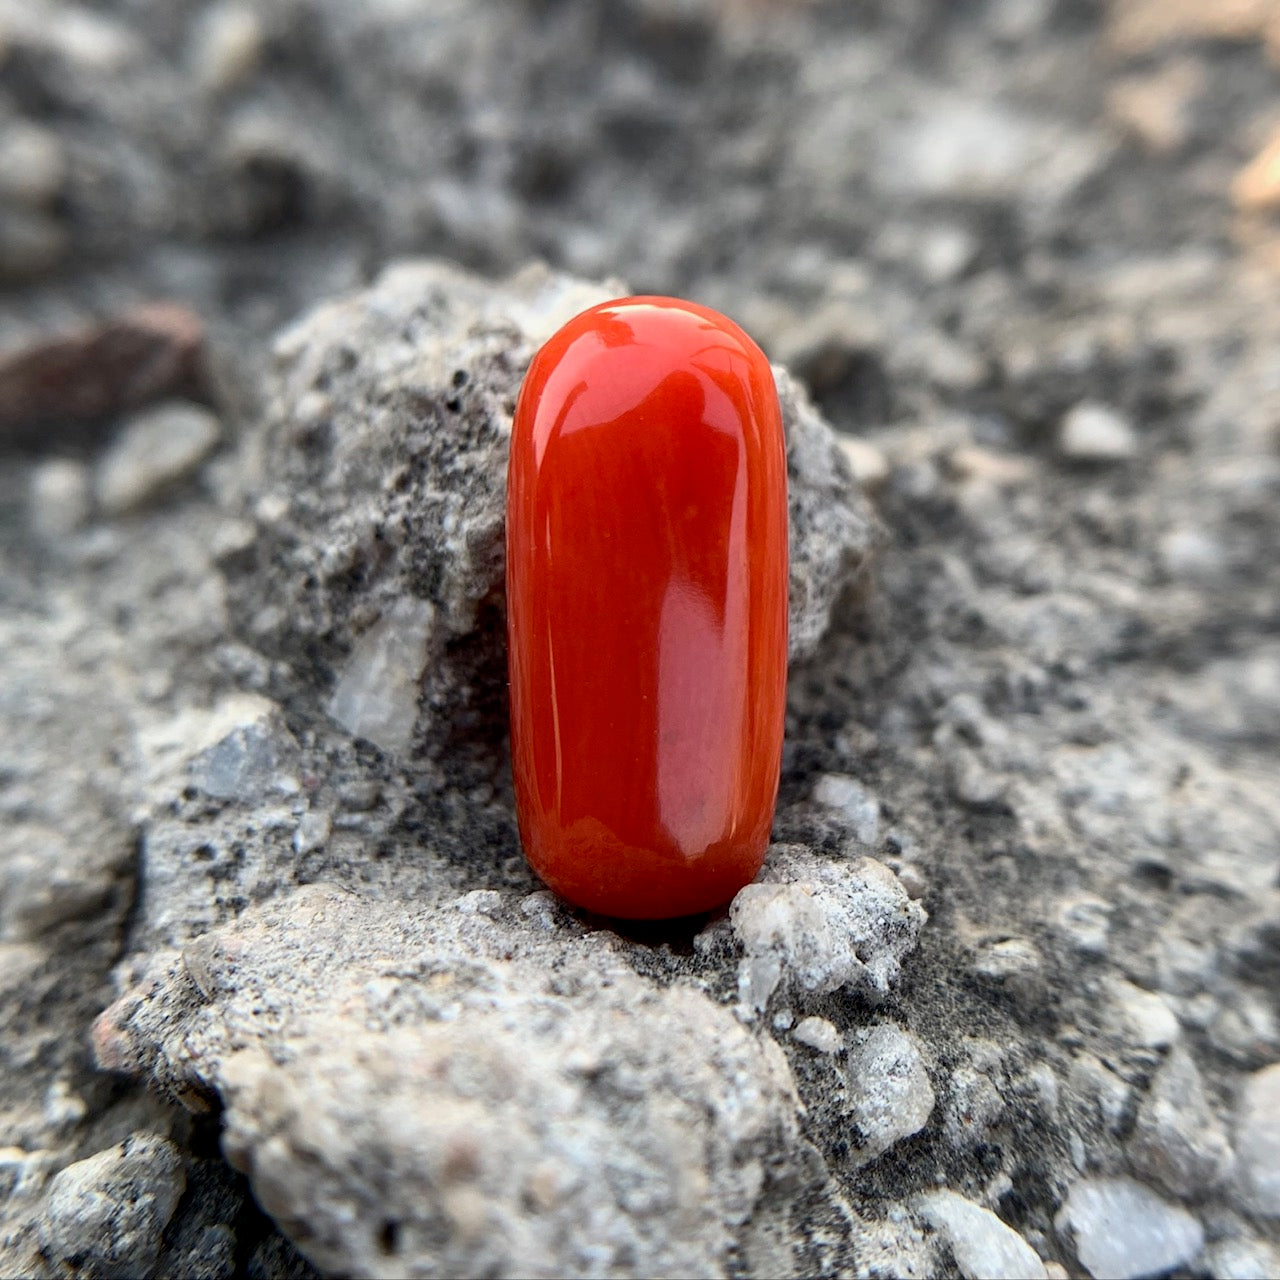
[{"x": 901, "y": 198}]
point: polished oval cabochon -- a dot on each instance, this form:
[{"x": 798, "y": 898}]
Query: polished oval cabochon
[{"x": 647, "y": 608}]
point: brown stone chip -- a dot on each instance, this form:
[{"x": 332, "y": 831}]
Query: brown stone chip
[{"x": 150, "y": 351}]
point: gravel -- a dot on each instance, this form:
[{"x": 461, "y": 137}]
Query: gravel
[
  {"x": 1258, "y": 1140},
  {"x": 810, "y": 927},
  {"x": 106, "y": 1214},
  {"x": 1124, "y": 1230},
  {"x": 1177, "y": 1139}
]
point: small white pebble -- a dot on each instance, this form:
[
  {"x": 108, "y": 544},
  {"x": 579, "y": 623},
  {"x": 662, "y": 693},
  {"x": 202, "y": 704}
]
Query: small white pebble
[
  {"x": 1190, "y": 553},
  {"x": 271, "y": 508},
  {"x": 982, "y": 466},
  {"x": 155, "y": 450},
  {"x": 944, "y": 253},
  {"x": 62, "y": 1105},
  {"x": 226, "y": 47},
  {"x": 984, "y": 1248},
  {"x": 59, "y": 501},
  {"x": 913, "y": 881},
  {"x": 1095, "y": 433},
  {"x": 1142, "y": 1017},
  {"x": 1258, "y": 1140},
  {"x": 869, "y": 466},
  {"x": 33, "y": 166},
  {"x": 819, "y": 1034},
  {"x": 1084, "y": 922},
  {"x": 480, "y": 902},
  {"x": 1123, "y": 1229}
]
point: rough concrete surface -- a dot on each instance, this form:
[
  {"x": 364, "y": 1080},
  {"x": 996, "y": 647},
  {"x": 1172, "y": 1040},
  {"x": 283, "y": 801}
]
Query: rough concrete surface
[{"x": 278, "y": 995}]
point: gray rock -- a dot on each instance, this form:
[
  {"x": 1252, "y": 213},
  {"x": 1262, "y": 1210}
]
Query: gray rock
[
  {"x": 1104, "y": 1094},
  {"x": 1011, "y": 964},
  {"x": 1124, "y": 1231},
  {"x": 1258, "y": 1141},
  {"x": 1177, "y": 1140},
  {"x": 465, "y": 1093},
  {"x": 1246, "y": 1029},
  {"x": 155, "y": 450},
  {"x": 810, "y": 926},
  {"x": 46, "y": 881},
  {"x": 1083, "y": 922},
  {"x": 224, "y": 802},
  {"x": 313, "y": 832},
  {"x": 105, "y": 1216},
  {"x": 984, "y": 1247},
  {"x": 889, "y": 1094},
  {"x": 378, "y": 488},
  {"x": 245, "y": 763}
]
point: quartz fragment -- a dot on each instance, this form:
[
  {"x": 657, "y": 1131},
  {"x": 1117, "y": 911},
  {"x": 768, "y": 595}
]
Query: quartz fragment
[
  {"x": 60, "y": 499},
  {"x": 376, "y": 697}
]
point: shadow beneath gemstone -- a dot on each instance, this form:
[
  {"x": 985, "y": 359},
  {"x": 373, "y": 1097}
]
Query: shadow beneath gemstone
[{"x": 675, "y": 935}]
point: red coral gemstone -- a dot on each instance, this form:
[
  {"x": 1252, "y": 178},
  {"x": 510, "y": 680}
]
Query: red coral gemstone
[{"x": 647, "y": 608}]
